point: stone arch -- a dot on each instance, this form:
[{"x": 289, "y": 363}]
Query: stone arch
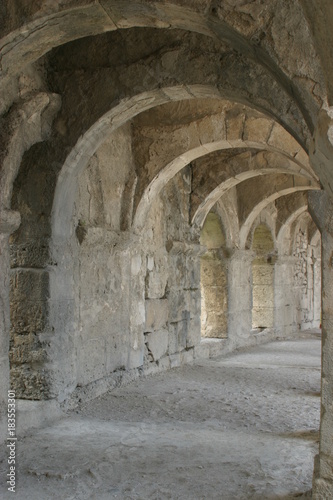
[
  {"x": 212, "y": 198},
  {"x": 315, "y": 240},
  {"x": 246, "y": 227},
  {"x": 129, "y": 108},
  {"x": 227, "y": 210},
  {"x": 43, "y": 30},
  {"x": 88, "y": 144},
  {"x": 283, "y": 239},
  {"x": 61, "y": 280},
  {"x": 292, "y": 160}
]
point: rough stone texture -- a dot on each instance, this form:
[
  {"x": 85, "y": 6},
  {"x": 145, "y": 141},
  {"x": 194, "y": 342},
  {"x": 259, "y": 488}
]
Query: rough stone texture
[
  {"x": 213, "y": 280},
  {"x": 157, "y": 313},
  {"x": 157, "y": 344},
  {"x": 136, "y": 298},
  {"x": 284, "y": 295},
  {"x": 321, "y": 209},
  {"x": 123, "y": 125},
  {"x": 214, "y": 297}
]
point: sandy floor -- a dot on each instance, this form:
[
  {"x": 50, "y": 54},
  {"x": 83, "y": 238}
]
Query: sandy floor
[{"x": 240, "y": 427}]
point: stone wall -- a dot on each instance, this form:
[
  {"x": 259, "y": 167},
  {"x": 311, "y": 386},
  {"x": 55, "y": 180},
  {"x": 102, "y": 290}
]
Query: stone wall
[
  {"x": 137, "y": 296},
  {"x": 109, "y": 301}
]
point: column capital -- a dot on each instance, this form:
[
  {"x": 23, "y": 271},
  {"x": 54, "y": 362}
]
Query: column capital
[
  {"x": 185, "y": 247},
  {"x": 242, "y": 254}
]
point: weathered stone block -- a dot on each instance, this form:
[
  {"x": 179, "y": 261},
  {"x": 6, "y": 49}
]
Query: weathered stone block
[
  {"x": 235, "y": 126},
  {"x": 192, "y": 274},
  {"x": 280, "y": 136},
  {"x": 182, "y": 329},
  {"x": 263, "y": 296},
  {"x": 262, "y": 274},
  {"x": 27, "y": 353},
  {"x": 262, "y": 317},
  {"x": 239, "y": 323},
  {"x": 135, "y": 358},
  {"x": 215, "y": 347},
  {"x": 157, "y": 343},
  {"x": 239, "y": 271},
  {"x": 239, "y": 298},
  {"x": 29, "y": 383},
  {"x": 164, "y": 363},
  {"x": 175, "y": 360},
  {"x": 29, "y": 284},
  {"x": 187, "y": 356},
  {"x": 213, "y": 272},
  {"x": 28, "y": 317},
  {"x": 194, "y": 332},
  {"x": 178, "y": 265},
  {"x": 216, "y": 325},
  {"x": 157, "y": 311},
  {"x": 215, "y": 298},
  {"x": 28, "y": 298},
  {"x": 173, "y": 339},
  {"x": 30, "y": 254},
  {"x": 201, "y": 351},
  {"x": 156, "y": 281},
  {"x": 178, "y": 306},
  {"x": 91, "y": 361}
]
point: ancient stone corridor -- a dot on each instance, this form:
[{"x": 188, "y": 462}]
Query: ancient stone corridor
[
  {"x": 166, "y": 199},
  {"x": 239, "y": 427}
]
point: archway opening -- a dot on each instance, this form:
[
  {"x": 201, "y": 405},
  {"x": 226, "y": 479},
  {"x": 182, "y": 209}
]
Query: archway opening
[
  {"x": 213, "y": 279},
  {"x": 262, "y": 279}
]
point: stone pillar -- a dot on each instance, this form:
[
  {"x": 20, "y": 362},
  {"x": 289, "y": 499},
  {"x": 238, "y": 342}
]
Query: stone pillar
[
  {"x": 137, "y": 311},
  {"x": 184, "y": 302},
  {"x": 284, "y": 298},
  {"x": 321, "y": 210},
  {"x": 9, "y": 222},
  {"x": 240, "y": 296},
  {"x": 315, "y": 272}
]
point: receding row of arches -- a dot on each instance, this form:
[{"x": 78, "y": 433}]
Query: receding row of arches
[
  {"x": 267, "y": 282},
  {"x": 159, "y": 164}
]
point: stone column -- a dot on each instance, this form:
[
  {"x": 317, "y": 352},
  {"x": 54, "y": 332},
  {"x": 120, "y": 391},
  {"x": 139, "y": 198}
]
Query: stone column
[
  {"x": 240, "y": 296},
  {"x": 9, "y": 222},
  {"x": 321, "y": 210},
  {"x": 284, "y": 296},
  {"x": 184, "y": 300},
  {"x": 315, "y": 270},
  {"x": 137, "y": 311}
]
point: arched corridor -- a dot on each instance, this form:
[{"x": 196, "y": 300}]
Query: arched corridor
[{"x": 165, "y": 193}]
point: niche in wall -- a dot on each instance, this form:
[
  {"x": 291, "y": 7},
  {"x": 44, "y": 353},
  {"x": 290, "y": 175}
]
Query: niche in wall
[
  {"x": 213, "y": 278},
  {"x": 262, "y": 278}
]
